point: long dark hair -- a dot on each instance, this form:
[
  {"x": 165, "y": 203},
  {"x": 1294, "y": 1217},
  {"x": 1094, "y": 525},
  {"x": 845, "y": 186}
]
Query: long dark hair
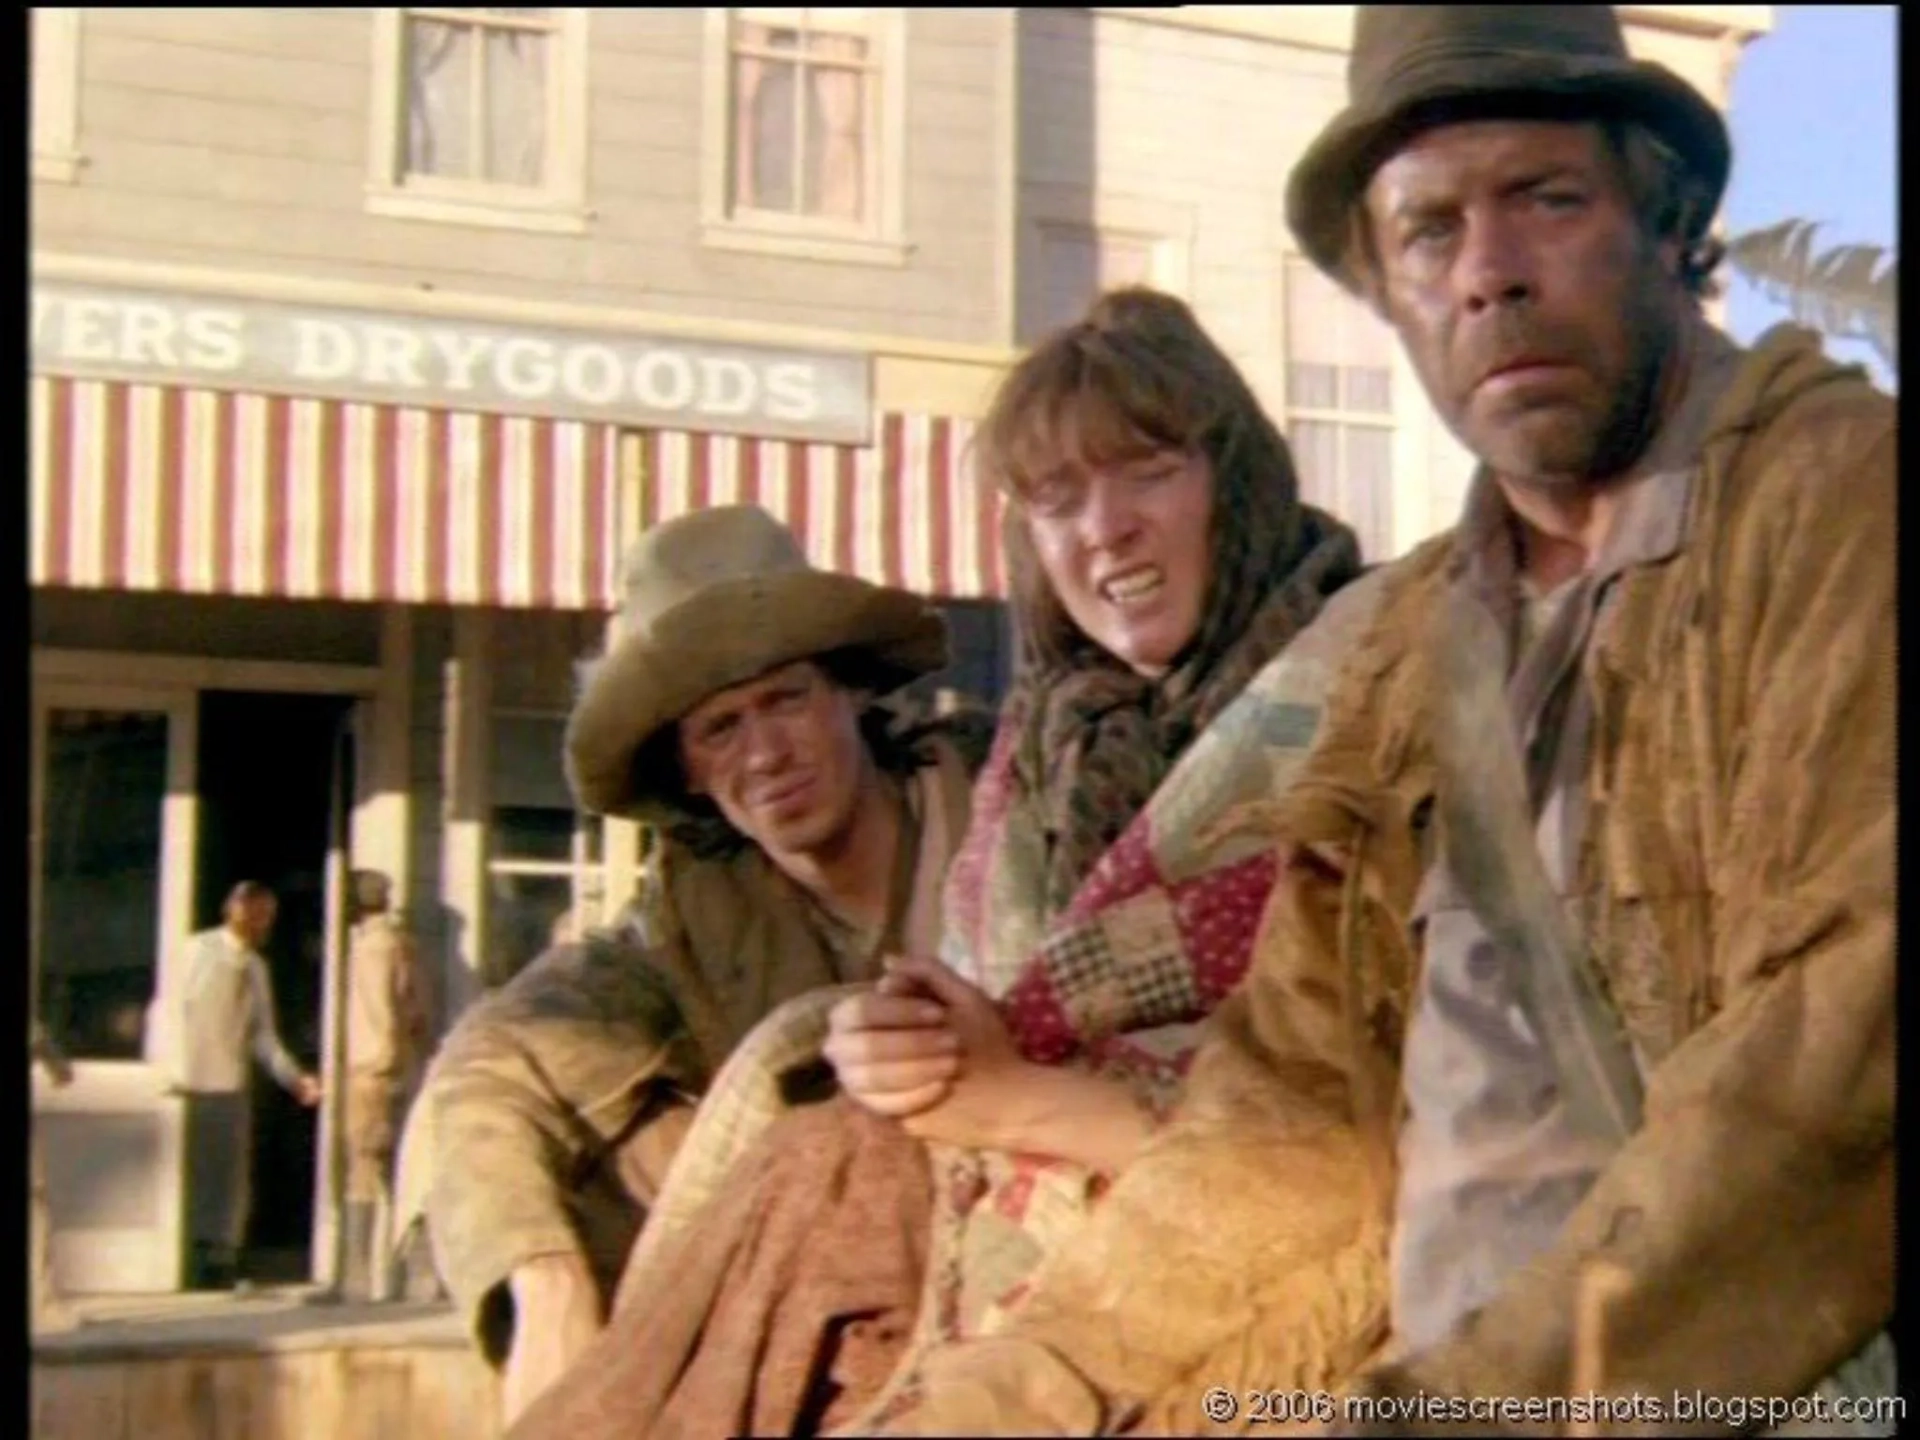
[{"x": 1137, "y": 374}]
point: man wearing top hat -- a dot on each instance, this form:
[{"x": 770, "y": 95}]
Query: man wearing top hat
[
  {"x": 805, "y": 834},
  {"x": 1607, "y": 1108}
]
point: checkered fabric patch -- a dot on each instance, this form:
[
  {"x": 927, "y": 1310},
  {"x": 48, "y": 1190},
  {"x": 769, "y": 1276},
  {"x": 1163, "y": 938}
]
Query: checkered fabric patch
[
  {"x": 1158, "y": 957},
  {"x": 1151, "y": 960},
  {"x": 1079, "y": 958},
  {"x": 1124, "y": 968}
]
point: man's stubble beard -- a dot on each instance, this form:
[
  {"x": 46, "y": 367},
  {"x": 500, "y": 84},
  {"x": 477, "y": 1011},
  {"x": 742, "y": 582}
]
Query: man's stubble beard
[
  {"x": 1606, "y": 452},
  {"x": 1635, "y": 416},
  {"x": 1591, "y": 453}
]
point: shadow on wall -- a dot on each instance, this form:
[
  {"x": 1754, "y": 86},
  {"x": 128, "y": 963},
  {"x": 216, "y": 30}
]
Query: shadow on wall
[
  {"x": 437, "y": 931},
  {"x": 1062, "y": 261}
]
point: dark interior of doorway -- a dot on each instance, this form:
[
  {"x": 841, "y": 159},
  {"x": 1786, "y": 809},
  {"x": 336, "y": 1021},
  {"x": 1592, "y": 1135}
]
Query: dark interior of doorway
[{"x": 267, "y": 778}]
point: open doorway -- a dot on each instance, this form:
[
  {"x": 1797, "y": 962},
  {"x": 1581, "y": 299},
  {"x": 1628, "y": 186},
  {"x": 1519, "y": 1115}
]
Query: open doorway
[{"x": 267, "y": 786}]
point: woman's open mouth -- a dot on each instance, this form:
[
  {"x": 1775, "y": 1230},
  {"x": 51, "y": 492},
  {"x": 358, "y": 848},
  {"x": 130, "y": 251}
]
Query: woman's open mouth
[{"x": 1133, "y": 588}]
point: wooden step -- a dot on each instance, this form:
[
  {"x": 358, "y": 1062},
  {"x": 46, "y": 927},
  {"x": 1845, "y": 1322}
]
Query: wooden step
[{"x": 234, "y": 1369}]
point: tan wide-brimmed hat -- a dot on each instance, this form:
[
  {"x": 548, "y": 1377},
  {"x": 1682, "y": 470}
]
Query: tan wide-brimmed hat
[
  {"x": 1416, "y": 65},
  {"x": 713, "y": 600}
]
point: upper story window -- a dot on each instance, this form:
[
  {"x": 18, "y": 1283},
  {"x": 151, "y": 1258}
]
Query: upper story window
[
  {"x": 805, "y": 152},
  {"x": 477, "y": 84},
  {"x": 1077, "y": 243},
  {"x": 480, "y": 116},
  {"x": 804, "y": 114},
  {"x": 1340, "y": 417},
  {"x": 54, "y": 61}
]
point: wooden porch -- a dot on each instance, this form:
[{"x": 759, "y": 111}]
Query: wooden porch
[{"x": 270, "y": 1366}]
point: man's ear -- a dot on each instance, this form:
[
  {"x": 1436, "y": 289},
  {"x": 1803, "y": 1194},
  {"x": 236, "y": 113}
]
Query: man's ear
[{"x": 1672, "y": 254}]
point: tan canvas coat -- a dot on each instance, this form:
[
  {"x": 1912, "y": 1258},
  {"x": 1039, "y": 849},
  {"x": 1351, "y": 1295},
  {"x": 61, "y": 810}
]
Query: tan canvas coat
[
  {"x": 386, "y": 1002},
  {"x": 1738, "y": 888},
  {"x": 547, "y": 1121}
]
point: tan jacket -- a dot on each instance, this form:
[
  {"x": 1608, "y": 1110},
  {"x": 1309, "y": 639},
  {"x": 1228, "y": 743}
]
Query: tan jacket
[
  {"x": 548, "y": 1118},
  {"x": 1739, "y": 890},
  {"x": 387, "y": 1022}
]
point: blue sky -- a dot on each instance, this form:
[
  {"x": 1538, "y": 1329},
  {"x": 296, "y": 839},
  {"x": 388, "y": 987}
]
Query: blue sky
[{"x": 1814, "y": 126}]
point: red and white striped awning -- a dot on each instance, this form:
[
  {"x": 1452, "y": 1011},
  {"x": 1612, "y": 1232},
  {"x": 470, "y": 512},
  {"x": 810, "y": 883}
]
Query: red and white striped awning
[
  {"x": 904, "y": 512},
  {"x": 154, "y": 487},
  {"x": 166, "y": 488}
]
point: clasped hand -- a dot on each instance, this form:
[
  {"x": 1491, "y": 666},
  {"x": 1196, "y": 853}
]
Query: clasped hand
[{"x": 929, "y": 1049}]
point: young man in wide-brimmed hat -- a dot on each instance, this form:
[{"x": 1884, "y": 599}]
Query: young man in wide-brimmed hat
[
  {"x": 805, "y": 832},
  {"x": 1567, "y": 1062}
]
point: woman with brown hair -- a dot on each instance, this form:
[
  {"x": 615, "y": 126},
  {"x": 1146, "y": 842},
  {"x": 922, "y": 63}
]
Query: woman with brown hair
[{"x": 1164, "y": 571}]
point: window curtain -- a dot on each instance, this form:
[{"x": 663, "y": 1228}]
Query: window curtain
[
  {"x": 516, "y": 107},
  {"x": 762, "y": 124},
  {"x": 799, "y": 126},
  {"x": 507, "y": 142},
  {"x": 439, "y": 58},
  {"x": 835, "y": 147}
]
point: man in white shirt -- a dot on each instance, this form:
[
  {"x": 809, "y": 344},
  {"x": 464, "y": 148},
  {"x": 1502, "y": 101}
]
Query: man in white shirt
[{"x": 218, "y": 1012}]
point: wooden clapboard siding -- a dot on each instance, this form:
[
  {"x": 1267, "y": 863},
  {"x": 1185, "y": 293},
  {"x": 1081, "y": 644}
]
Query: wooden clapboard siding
[{"x": 241, "y": 139}]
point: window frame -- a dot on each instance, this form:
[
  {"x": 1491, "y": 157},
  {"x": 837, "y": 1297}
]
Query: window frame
[
  {"x": 586, "y": 876},
  {"x": 177, "y": 864},
  {"x": 1406, "y": 419},
  {"x": 580, "y": 846},
  {"x": 880, "y": 238},
  {"x": 594, "y": 895},
  {"x": 586, "y": 879},
  {"x": 54, "y": 94},
  {"x": 557, "y": 206}
]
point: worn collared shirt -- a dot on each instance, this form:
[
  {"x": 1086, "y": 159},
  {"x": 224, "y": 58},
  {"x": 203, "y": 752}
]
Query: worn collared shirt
[
  {"x": 917, "y": 928},
  {"x": 1490, "y": 1167},
  {"x": 218, "y": 1012}
]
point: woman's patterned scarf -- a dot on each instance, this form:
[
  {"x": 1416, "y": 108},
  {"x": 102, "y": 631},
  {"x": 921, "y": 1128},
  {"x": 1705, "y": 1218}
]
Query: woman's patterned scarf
[{"x": 1097, "y": 739}]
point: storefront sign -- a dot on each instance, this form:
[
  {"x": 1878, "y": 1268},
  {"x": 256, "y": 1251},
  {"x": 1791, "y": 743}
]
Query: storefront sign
[{"x": 115, "y": 333}]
